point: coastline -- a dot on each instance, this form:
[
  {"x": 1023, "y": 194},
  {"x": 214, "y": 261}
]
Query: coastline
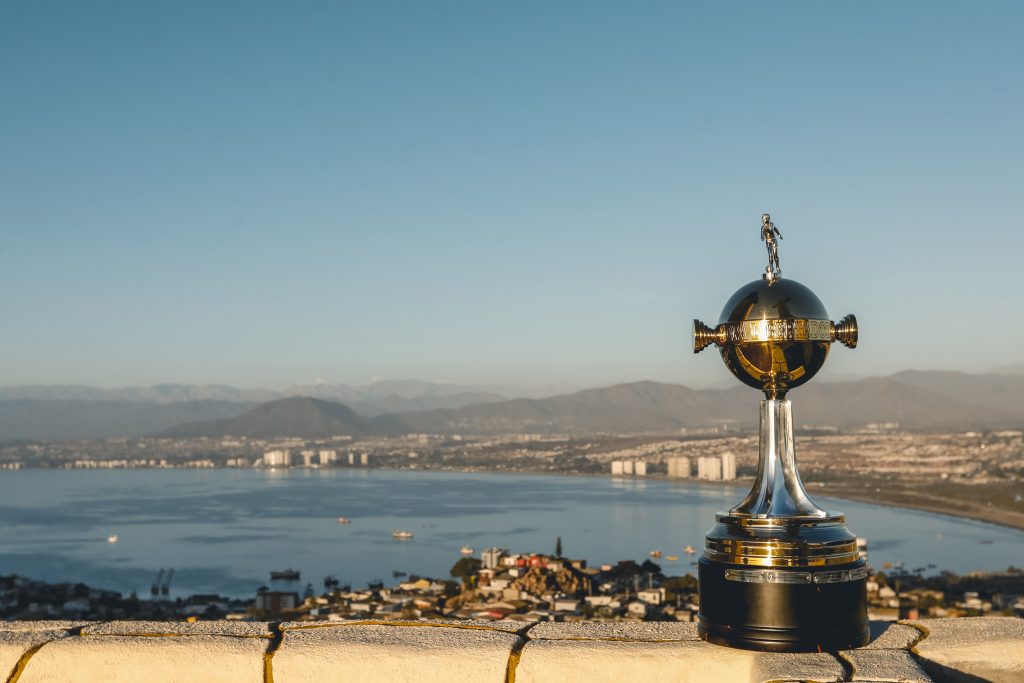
[
  {"x": 1002, "y": 518},
  {"x": 903, "y": 499},
  {"x": 958, "y": 509}
]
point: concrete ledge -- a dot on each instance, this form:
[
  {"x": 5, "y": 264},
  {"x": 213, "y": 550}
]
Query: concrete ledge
[
  {"x": 984, "y": 648},
  {"x": 600, "y": 661},
  {"x": 973, "y": 650},
  {"x": 409, "y": 651}
]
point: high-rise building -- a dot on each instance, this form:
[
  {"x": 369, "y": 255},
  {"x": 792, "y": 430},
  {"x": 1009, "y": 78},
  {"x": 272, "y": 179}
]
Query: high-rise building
[
  {"x": 307, "y": 457},
  {"x": 617, "y": 468},
  {"x": 627, "y": 467},
  {"x": 728, "y": 466},
  {"x": 679, "y": 467},
  {"x": 640, "y": 468},
  {"x": 351, "y": 458},
  {"x": 364, "y": 459},
  {"x": 709, "y": 467},
  {"x": 328, "y": 457},
  {"x": 280, "y": 458},
  {"x": 491, "y": 558}
]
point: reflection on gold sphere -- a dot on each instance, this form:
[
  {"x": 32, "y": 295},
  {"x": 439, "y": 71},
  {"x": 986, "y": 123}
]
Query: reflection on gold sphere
[{"x": 777, "y": 335}]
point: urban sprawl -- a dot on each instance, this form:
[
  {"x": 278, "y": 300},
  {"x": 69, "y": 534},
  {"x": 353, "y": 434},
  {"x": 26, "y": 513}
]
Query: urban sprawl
[
  {"x": 976, "y": 474},
  {"x": 499, "y": 585}
]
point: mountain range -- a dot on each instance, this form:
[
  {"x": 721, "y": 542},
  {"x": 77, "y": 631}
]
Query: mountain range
[
  {"x": 376, "y": 398},
  {"x": 915, "y": 399}
]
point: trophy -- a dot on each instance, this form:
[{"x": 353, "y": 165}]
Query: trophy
[{"x": 778, "y": 572}]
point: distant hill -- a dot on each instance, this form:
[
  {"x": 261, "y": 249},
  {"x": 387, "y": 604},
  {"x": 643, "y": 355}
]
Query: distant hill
[
  {"x": 84, "y": 412},
  {"x": 33, "y": 420},
  {"x": 915, "y": 399},
  {"x": 298, "y": 416},
  {"x": 633, "y": 407}
]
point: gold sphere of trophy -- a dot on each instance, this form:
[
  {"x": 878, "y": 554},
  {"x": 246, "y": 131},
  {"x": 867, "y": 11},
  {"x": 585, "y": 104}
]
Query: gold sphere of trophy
[{"x": 778, "y": 572}]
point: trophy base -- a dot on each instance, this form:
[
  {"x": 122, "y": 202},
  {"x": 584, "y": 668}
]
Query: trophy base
[{"x": 805, "y": 609}]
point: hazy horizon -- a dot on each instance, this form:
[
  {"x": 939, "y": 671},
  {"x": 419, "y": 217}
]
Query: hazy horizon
[
  {"x": 258, "y": 195},
  {"x": 725, "y": 381}
]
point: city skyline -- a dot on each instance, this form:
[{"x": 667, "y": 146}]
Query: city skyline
[{"x": 260, "y": 196}]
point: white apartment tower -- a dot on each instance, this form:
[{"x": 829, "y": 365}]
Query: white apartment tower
[
  {"x": 491, "y": 558},
  {"x": 281, "y": 458},
  {"x": 728, "y": 466},
  {"x": 709, "y": 467},
  {"x": 679, "y": 467}
]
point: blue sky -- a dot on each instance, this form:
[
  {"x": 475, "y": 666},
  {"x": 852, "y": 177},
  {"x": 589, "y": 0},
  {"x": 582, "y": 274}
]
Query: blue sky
[{"x": 266, "y": 193}]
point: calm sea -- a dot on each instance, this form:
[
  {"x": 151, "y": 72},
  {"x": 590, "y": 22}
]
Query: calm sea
[{"x": 223, "y": 531}]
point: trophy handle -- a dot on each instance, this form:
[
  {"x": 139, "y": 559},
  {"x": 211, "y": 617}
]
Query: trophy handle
[
  {"x": 704, "y": 336},
  {"x": 845, "y": 331}
]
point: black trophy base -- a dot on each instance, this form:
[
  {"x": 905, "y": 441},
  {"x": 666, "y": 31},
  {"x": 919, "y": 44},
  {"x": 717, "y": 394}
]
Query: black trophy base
[{"x": 782, "y": 617}]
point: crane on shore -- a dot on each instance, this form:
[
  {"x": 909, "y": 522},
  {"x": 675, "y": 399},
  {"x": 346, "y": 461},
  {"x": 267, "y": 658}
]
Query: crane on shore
[
  {"x": 155, "y": 588},
  {"x": 166, "y": 587}
]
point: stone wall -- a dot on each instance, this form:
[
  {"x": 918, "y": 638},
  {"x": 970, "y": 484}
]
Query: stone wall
[{"x": 973, "y": 650}]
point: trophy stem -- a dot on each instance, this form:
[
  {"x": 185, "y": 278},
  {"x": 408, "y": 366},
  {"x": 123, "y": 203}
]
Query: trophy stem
[
  {"x": 778, "y": 572},
  {"x": 777, "y": 490}
]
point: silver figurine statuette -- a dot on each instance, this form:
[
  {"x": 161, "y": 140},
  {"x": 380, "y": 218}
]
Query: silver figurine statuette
[{"x": 768, "y": 233}]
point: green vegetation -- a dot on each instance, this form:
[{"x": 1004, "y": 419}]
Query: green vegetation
[{"x": 465, "y": 568}]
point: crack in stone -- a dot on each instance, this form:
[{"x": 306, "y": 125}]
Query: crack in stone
[
  {"x": 23, "y": 660},
  {"x": 926, "y": 665},
  {"x": 849, "y": 668},
  {"x": 517, "y": 652},
  {"x": 402, "y": 624},
  {"x": 920, "y": 629},
  {"x": 19, "y": 668},
  {"x": 619, "y": 639},
  {"x": 277, "y": 640},
  {"x": 268, "y": 636}
]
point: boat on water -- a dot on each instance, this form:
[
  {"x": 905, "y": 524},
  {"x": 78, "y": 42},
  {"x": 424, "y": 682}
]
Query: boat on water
[
  {"x": 344, "y": 520},
  {"x": 671, "y": 558},
  {"x": 112, "y": 538},
  {"x": 285, "y": 575},
  {"x": 689, "y": 550},
  {"x": 402, "y": 535},
  {"x": 655, "y": 554},
  {"x": 466, "y": 550}
]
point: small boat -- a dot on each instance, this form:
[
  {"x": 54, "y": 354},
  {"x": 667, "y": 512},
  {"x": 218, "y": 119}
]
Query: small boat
[
  {"x": 655, "y": 554},
  {"x": 286, "y": 575},
  {"x": 466, "y": 550},
  {"x": 689, "y": 550},
  {"x": 344, "y": 520},
  {"x": 672, "y": 558},
  {"x": 398, "y": 574},
  {"x": 112, "y": 538},
  {"x": 402, "y": 535}
]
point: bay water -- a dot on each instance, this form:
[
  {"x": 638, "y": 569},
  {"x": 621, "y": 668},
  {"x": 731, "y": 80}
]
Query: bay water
[{"x": 224, "y": 530}]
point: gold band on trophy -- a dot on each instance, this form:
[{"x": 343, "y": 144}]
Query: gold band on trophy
[
  {"x": 796, "y": 329},
  {"x": 784, "y": 330}
]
